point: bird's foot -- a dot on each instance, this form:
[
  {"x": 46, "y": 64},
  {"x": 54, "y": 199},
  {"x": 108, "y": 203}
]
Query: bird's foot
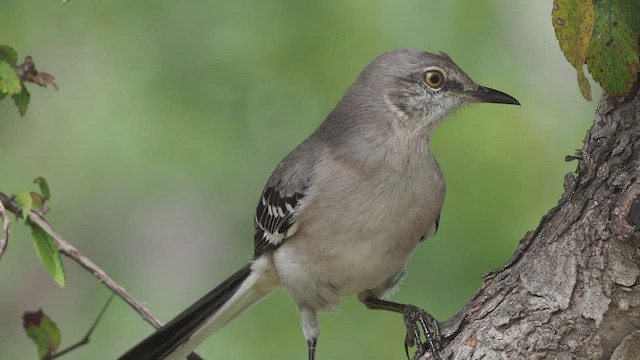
[{"x": 417, "y": 320}]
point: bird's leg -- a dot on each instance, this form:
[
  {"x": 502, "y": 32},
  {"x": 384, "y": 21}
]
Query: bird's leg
[
  {"x": 310, "y": 328},
  {"x": 415, "y": 319},
  {"x": 312, "y": 348}
]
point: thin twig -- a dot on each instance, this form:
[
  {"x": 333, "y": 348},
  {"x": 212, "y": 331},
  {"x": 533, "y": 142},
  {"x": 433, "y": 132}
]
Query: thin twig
[
  {"x": 73, "y": 253},
  {"x": 85, "y": 339},
  {"x": 4, "y": 236},
  {"x": 70, "y": 251}
]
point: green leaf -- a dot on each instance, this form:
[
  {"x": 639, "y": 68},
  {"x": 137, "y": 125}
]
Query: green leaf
[
  {"x": 8, "y": 54},
  {"x": 43, "y": 331},
  {"x": 22, "y": 100},
  {"x": 633, "y": 14},
  {"x": 573, "y": 24},
  {"x": 25, "y": 201},
  {"x": 9, "y": 80},
  {"x": 48, "y": 253},
  {"x": 44, "y": 187},
  {"x": 613, "y": 55}
]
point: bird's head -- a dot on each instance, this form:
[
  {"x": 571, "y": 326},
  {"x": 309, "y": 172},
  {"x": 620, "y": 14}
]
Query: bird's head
[{"x": 421, "y": 89}]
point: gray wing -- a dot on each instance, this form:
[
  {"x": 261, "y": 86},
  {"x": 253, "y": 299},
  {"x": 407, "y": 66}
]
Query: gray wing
[{"x": 279, "y": 205}]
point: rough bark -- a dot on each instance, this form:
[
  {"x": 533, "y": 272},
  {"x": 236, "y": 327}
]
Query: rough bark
[{"x": 571, "y": 291}]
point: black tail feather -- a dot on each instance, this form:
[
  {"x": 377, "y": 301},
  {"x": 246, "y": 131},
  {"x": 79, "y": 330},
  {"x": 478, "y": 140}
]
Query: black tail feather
[{"x": 178, "y": 331}]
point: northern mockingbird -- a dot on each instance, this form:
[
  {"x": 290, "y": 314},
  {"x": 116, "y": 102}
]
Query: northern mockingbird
[{"x": 343, "y": 212}]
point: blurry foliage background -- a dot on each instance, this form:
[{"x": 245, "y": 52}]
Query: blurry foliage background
[{"x": 171, "y": 116}]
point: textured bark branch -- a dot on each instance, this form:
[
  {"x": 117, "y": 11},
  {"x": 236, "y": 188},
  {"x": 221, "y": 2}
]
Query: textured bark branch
[{"x": 572, "y": 290}]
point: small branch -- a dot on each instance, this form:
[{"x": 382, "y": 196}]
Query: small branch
[
  {"x": 4, "y": 236},
  {"x": 73, "y": 253},
  {"x": 85, "y": 339},
  {"x": 70, "y": 251}
]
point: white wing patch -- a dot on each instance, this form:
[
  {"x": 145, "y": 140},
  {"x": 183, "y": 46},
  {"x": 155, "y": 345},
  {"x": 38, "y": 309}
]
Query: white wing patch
[{"x": 274, "y": 239}]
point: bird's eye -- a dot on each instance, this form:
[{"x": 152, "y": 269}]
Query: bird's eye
[{"x": 434, "y": 78}]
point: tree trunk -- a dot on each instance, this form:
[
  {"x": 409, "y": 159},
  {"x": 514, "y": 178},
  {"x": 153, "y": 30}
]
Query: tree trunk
[{"x": 571, "y": 291}]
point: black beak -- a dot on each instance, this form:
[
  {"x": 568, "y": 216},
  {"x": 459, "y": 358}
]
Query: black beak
[{"x": 487, "y": 95}]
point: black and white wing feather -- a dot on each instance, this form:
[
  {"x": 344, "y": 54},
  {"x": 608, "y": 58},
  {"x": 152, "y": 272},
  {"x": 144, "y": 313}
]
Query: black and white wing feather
[{"x": 275, "y": 219}]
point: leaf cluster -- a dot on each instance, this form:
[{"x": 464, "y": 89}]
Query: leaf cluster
[
  {"x": 13, "y": 77},
  {"x": 604, "y": 35},
  {"x": 10, "y": 82}
]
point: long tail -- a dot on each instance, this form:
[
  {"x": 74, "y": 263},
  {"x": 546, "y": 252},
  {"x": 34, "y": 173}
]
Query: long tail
[{"x": 180, "y": 336}]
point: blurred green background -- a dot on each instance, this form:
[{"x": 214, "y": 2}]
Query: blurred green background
[{"x": 171, "y": 116}]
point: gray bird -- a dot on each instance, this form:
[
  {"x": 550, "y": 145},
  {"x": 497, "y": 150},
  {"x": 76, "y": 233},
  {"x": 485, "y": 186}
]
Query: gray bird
[{"x": 343, "y": 212}]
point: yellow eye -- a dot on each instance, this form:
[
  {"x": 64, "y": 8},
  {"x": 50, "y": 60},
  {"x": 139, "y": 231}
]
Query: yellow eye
[{"x": 434, "y": 78}]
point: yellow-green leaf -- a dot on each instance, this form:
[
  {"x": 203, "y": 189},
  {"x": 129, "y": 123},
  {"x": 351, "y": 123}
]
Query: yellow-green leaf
[
  {"x": 44, "y": 187},
  {"x": 8, "y": 54},
  {"x": 613, "y": 55},
  {"x": 42, "y": 331},
  {"x": 573, "y": 24},
  {"x": 9, "y": 80},
  {"x": 25, "y": 201},
  {"x": 48, "y": 253}
]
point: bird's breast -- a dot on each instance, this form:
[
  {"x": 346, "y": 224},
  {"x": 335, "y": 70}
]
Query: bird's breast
[{"x": 358, "y": 229}]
